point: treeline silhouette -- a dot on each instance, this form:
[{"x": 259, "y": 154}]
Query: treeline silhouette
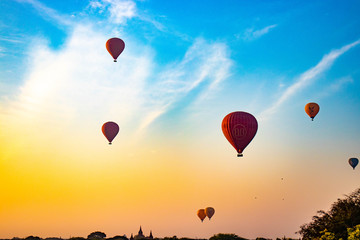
[
  {"x": 102, "y": 236},
  {"x": 341, "y": 222}
]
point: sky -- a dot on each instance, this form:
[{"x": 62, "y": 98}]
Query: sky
[{"x": 185, "y": 66}]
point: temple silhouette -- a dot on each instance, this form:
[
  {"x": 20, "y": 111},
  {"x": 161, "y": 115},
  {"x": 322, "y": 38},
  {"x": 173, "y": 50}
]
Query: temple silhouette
[{"x": 140, "y": 235}]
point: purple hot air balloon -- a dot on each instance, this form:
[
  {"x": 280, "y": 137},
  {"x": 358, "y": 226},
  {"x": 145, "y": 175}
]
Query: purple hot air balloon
[
  {"x": 115, "y": 46},
  {"x": 110, "y": 130}
]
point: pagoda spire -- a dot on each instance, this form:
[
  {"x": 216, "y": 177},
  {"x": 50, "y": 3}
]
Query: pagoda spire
[{"x": 151, "y": 236}]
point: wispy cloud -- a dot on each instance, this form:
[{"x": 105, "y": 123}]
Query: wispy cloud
[
  {"x": 308, "y": 77},
  {"x": 119, "y": 10},
  {"x": 11, "y": 40},
  {"x": 202, "y": 69},
  {"x": 252, "y": 34},
  {"x": 137, "y": 99},
  {"x": 336, "y": 86},
  {"x": 48, "y": 13},
  {"x": 89, "y": 87}
]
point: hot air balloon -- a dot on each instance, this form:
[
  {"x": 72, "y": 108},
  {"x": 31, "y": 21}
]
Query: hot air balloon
[
  {"x": 209, "y": 211},
  {"x": 201, "y": 214},
  {"x": 312, "y": 110},
  {"x": 110, "y": 130},
  {"x": 115, "y": 46},
  {"x": 239, "y": 129},
  {"x": 353, "y": 162}
]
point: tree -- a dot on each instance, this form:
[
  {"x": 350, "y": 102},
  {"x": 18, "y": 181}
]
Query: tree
[
  {"x": 223, "y": 236},
  {"x": 32, "y": 238},
  {"x": 96, "y": 235},
  {"x": 118, "y": 238},
  {"x": 344, "y": 214},
  {"x": 326, "y": 235},
  {"x": 354, "y": 233}
]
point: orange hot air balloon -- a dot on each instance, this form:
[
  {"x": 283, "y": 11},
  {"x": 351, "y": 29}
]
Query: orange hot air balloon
[
  {"x": 110, "y": 130},
  {"x": 209, "y": 211},
  {"x": 312, "y": 110},
  {"x": 239, "y": 129},
  {"x": 201, "y": 214},
  {"x": 115, "y": 46}
]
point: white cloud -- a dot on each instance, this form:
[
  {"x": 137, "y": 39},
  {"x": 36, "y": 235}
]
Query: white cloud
[
  {"x": 203, "y": 67},
  {"x": 48, "y": 13},
  {"x": 252, "y": 34},
  {"x": 336, "y": 86},
  {"x": 119, "y": 10},
  {"x": 79, "y": 85},
  {"x": 308, "y": 77},
  {"x": 11, "y": 40}
]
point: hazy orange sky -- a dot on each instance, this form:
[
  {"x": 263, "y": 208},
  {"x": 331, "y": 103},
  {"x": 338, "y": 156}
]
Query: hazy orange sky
[{"x": 180, "y": 74}]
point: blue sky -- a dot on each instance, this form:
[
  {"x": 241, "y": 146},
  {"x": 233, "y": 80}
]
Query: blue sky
[{"x": 187, "y": 64}]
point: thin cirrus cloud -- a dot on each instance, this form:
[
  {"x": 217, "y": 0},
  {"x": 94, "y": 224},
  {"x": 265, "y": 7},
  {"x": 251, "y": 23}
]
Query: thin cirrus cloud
[
  {"x": 203, "y": 67},
  {"x": 119, "y": 10},
  {"x": 308, "y": 77},
  {"x": 48, "y": 13},
  {"x": 87, "y": 84},
  {"x": 336, "y": 86},
  {"x": 252, "y": 34}
]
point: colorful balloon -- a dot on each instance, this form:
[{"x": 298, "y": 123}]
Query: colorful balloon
[
  {"x": 312, "y": 110},
  {"x": 209, "y": 211},
  {"x": 110, "y": 130},
  {"x": 201, "y": 214},
  {"x": 115, "y": 46},
  {"x": 239, "y": 129},
  {"x": 353, "y": 162}
]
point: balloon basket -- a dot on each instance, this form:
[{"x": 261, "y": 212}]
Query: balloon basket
[
  {"x": 115, "y": 60},
  {"x": 240, "y": 155},
  {"x": 110, "y": 143}
]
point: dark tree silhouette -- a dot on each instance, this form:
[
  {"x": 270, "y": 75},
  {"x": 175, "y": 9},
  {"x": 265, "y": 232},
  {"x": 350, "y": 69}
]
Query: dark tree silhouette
[
  {"x": 77, "y": 238},
  {"x": 344, "y": 214},
  {"x": 118, "y": 237},
  {"x": 96, "y": 235},
  {"x": 32, "y": 238},
  {"x": 223, "y": 236}
]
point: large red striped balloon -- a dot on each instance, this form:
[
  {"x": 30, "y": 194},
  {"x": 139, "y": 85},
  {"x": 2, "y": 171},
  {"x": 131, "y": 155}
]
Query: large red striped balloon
[
  {"x": 110, "y": 130},
  {"x": 115, "y": 46},
  {"x": 239, "y": 129}
]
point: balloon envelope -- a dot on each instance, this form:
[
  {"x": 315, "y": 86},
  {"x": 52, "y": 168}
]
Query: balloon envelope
[
  {"x": 110, "y": 130},
  {"x": 209, "y": 211},
  {"x": 201, "y": 214},
  {"x": 239, "y": 129},
  {"x": 353, "y": 162},
  {"x": 115, "y": 46},
  {"x": 312, "y": 109}
]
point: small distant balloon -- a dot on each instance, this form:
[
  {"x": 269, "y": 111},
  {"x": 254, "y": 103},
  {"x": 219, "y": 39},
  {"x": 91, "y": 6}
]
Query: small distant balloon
[
  {"x": 201, "y": 214},
  {"x": 353, "y": 162},
  {"x": 209, "y": 211},
  {"x": 115, "y": 46},
  {"x": 110, "y": 130},
  {"x": 312, "y": 110},
  {"x": 239, "y": 129}
]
